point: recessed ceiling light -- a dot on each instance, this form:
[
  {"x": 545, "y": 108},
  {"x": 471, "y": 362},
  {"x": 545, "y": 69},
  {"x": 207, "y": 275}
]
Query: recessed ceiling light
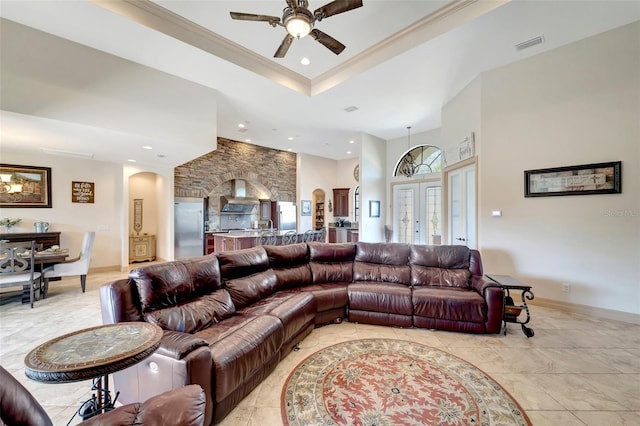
[
  {"x": 131, "y": 160},
  {"x": 289, "y": 149},
  {"x": 348, "y": 152},
  {"x": 290, "y": 138},
  {"x": 247, "y": 140},
  {"x": 352, "y": 141},
  {"x": 147, "y": 147},
  {"x": 241, "y": 125},
  {"x": 305, "y": 61}
]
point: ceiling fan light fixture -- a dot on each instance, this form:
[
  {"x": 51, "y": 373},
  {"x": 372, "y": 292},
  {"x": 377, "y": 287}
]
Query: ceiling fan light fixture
[{"x": 299, "y": 23}]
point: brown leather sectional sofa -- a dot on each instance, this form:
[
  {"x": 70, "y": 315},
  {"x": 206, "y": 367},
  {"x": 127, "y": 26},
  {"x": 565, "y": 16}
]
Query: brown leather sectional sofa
[{"x": 231, "y": 317}]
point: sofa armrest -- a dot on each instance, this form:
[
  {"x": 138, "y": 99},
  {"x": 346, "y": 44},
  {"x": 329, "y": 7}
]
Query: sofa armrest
[
  {"x": 493, "y": 294},
  {"x": 177, "y": 345},
  {"x": 181, "y": 406},
  {"x": 481, "y": 284}
]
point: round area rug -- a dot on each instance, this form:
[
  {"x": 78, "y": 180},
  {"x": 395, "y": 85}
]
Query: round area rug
[{"x": 393, "y": 382}]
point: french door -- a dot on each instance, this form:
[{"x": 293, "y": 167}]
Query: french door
[
  {"x": 417, "y": 213},
  {"x": 462, "y": 206}
]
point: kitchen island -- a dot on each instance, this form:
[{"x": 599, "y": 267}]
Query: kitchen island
[{"x": 237, "y": 240}]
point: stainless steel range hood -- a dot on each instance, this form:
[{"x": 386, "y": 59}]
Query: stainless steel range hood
[{"x": 238, "y": 202}]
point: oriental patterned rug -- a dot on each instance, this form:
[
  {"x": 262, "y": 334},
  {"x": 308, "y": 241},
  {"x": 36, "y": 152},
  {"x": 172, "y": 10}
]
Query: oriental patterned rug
[{"x": 393, "y": 382}]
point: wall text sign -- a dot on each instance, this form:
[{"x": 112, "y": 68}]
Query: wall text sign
[{"x": 82, "y": 192}]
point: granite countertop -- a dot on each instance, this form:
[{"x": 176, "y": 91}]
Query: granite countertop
[{"x": 253, "y": 234}]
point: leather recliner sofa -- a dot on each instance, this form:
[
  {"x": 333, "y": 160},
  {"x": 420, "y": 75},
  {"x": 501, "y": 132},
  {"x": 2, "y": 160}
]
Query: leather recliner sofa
[
  {"x": 179, "y": 407},
  {"x": 230, "y": 317}
]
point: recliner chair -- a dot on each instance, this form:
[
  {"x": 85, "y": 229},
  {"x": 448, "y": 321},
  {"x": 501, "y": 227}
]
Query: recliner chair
[{"x": 180, "y": 407}]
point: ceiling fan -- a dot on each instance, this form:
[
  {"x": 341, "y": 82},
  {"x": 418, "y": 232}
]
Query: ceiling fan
[{"x": 298, "y": 20}]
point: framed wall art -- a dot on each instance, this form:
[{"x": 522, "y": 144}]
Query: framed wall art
[
  {"x": 25, "y": 186},
  {"x": 374, "y": 208},
  {"x": 305, "y": 210},
  {"x": 586, "y": 179}
]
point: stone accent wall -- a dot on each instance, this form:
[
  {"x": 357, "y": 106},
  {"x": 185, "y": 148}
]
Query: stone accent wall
[{"x": 269, "y": 173}]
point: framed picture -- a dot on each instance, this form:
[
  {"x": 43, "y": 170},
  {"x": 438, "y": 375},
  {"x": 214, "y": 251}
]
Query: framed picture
[
  {"x": 25, "y": 186},
  {"x": 306, "y": 208},
  {"x": 374, "y": 208},
  {"x": 599, "y": 178}
]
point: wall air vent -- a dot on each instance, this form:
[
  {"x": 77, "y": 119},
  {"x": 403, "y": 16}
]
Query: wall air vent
[
  {"x": 529, "y": 43},
  {"x": 67, "y": 153}
]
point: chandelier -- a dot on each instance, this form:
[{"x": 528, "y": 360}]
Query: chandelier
[{"x": 409, "y": 165}]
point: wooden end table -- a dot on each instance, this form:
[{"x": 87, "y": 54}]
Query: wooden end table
[
  {"x": 511, "y": 310},
  {"x": 93, "y": 353}
]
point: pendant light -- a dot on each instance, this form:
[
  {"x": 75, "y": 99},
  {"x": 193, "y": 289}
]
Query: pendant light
[{"x": 409, "y": 166}]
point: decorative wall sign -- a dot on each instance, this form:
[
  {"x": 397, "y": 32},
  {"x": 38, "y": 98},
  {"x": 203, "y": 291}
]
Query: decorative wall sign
[
  {"x": 25, "y": 186},
  {"x": 83, "y": 192},
  {"x": 598, "y": 178},
  {"x": 137, "y": 215}
]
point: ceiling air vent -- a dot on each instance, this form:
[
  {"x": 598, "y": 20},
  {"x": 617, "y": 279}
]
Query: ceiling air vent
[{"x": 529, "y": 43}]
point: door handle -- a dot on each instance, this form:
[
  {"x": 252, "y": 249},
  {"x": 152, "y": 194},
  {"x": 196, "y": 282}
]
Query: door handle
[{"x": 461, "y": 239}]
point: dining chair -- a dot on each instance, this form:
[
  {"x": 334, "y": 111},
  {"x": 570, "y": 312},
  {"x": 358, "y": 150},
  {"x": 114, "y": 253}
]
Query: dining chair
[
  {"x": 72, "y": 267},
  {"x": 290, "y": 237},
  {"x": 17, "y": 267},
  {"x": 308, "y": 236},
  {"x": 266, "y": 238}
]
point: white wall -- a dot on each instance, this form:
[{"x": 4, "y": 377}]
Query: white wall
[
  {"x": 345, "y": 179},
  {"x": 73, "y": 219},
  {"x": 143, "y": 186},
  {"x": 575, "y": 105},
  {"x": 373, "y": 175},
  {"x": 315, "y": 173}
]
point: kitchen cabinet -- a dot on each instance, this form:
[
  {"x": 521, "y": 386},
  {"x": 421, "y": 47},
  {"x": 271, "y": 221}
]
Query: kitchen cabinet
[
  {"x": 142, "y": 248},
  {"x": 353, "y": 235},
  {"x": 265, "y": 209},
  {"x": 341, "y": 202},
  {"x": 210, "y": 243},
  {"x": 337, "y": 235}
]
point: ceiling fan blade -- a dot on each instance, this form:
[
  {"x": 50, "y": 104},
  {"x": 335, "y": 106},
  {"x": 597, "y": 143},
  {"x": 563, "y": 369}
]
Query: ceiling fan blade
[
  {"x": 284, "y": 46},
  {"x": 335, "y": 7},
  {"x": 251, "y": 17},
  {"x": 329, "y": 42}
]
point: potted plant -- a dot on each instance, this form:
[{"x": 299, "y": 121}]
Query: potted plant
[{"x": 7, "y": 223}]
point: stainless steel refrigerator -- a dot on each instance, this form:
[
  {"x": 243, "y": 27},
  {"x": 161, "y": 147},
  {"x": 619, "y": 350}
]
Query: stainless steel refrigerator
[
  {"x": 287, "y": 216},
  {"x": 188, "y": 227}
]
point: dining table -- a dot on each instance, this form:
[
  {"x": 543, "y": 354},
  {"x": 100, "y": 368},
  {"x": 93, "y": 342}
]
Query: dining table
[{"x": 42, "y": 260}]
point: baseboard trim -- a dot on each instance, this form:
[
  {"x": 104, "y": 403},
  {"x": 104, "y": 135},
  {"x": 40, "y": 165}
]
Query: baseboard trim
[
  {"x": 105, "y": 269},
  {"x": 588, "y": 310}
]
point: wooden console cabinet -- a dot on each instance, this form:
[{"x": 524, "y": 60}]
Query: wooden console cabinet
[
  {"x": 47, "y": 239},
  {"x": 142, "y": 248}
]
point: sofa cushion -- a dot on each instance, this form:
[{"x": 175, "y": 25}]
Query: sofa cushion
[
  {"x": 247, "y": 344},
  {"x": 390, "y": 298},
  {"x": 290, "y": 264},
  {"x": 242, "y": 263},
  {"x": 453, "y": 304},
  {"x": 331, "y": 262},
  {"x": 168, "y": 284},
  {"x": 445, "y": 266},
  {"x": 385, "y": 262},
  {"x": 247, "y": 290},
  {"x": 287, "y": 255},
  {"x": 295, "y": 310},
  {"x": 195, "y": 315}
]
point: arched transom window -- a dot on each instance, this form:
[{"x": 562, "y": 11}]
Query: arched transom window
[{"x": 420, "y": 160}]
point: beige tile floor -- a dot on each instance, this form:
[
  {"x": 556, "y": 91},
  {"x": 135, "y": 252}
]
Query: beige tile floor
[{"x": 576, "y": 370}]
